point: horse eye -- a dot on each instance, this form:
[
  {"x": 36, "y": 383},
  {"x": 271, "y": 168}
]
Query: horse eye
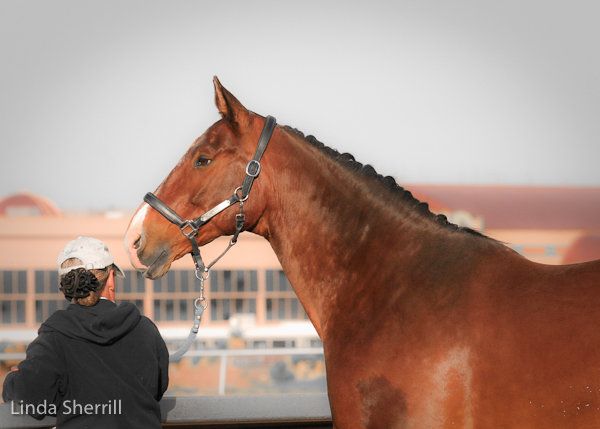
[{"x": 202, "y": 161}]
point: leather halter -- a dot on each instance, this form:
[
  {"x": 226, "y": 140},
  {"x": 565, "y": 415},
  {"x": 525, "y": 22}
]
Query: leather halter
[{"x": 190, "y": 228}]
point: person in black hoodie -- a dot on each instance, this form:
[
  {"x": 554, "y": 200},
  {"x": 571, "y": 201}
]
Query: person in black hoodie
[{"x": 95, "y": 364}]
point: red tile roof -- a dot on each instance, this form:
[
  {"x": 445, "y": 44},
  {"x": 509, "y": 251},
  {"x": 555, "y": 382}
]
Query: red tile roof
[
  {"x": 586, "y": 248},
  {"x": 27, "y": 204},
  {"x": 514, "y": 207}
]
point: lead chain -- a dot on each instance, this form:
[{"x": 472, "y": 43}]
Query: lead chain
[{"x": 202, "y": 276}]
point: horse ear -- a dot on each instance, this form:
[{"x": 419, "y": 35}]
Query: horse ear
[{"x": 229, "y": 106}]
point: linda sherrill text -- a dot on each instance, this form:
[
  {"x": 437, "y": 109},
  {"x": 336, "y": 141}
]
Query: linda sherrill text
[{"x": 68, "y": 407}]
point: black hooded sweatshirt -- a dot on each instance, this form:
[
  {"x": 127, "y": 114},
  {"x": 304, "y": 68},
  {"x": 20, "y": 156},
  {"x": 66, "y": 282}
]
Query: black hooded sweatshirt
[{"x": 104, "y": 354}]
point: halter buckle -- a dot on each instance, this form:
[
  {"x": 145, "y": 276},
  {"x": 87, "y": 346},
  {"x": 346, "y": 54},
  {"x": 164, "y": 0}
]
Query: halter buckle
[
  {"x": 191, "y": 232},
  {"x": 253, "y": 162}
]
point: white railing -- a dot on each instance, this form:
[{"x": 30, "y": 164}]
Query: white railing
[{"x": 222, "y": 354}]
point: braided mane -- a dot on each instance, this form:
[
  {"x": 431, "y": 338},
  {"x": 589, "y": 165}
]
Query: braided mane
[{"x": 347, "y": 160}]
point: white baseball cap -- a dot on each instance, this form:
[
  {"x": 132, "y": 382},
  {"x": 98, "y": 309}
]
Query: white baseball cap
[{"x": 93, "y": 254}]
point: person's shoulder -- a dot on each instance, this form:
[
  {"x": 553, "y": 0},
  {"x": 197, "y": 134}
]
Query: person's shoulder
[
  {"x": 59, "y": 316},
  {"x": 146, "y": 323},
  {"x": 47, "y": 341},
  {"x": 150, "y": 330}
]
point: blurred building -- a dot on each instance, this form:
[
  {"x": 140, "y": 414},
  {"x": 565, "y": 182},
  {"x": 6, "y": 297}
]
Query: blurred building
[
  {"x": 545, "y": 224},
  {"x": 251, "y": 302},
  {"x": 250, "y": 297}
]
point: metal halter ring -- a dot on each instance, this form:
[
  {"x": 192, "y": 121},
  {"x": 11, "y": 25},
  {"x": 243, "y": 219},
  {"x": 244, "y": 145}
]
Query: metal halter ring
[
  {"x": 240, "y": 198},
  {"x": 192, "y": 229},
  {"x": 253, "y": 162},
  {"x": 202, "y": 275}
]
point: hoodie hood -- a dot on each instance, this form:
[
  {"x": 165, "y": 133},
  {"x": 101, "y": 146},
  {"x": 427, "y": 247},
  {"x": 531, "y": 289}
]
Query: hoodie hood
[{"x": 103, "y": 323}]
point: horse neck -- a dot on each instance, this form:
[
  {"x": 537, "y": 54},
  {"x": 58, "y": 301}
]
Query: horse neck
[{"x": 338, "y": 234}]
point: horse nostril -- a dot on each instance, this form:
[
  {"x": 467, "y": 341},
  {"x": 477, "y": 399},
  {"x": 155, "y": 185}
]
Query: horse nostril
[{"x": 139, "y": 244}]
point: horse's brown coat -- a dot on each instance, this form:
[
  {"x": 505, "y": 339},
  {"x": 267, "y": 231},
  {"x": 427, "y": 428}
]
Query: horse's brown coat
[{"x": 423, "y": 326}]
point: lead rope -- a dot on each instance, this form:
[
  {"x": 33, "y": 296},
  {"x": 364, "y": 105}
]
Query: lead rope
[
  {"x": 202, "y": 273},
  {"x": 199, "y": 307}
]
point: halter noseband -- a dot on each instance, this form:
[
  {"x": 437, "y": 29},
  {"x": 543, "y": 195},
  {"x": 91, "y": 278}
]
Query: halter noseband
[{"x": 190, "y": 228}]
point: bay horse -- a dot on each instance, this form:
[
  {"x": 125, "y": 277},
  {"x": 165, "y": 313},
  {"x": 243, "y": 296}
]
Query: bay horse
[{"x": 424, "y": 324}]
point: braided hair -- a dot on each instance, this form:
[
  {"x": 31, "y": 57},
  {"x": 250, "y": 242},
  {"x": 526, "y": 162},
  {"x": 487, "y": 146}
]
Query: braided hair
[{"x": 78, "y": 283}]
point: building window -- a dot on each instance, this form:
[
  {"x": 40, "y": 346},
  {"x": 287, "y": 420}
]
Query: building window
[
  {"x": 45, "y": 307},
  {"x": 232, "y": 292},
  {"x": 46, "y": 282},
  {"x": 316, "y": 343},
  {"x": 259, "y": 344},
  {"x": 282, "y": 302},
  {"x": 13, "y": 293},
  {"x": 174, "y": 295},
  {"x": 48, "y": 297},
  {"x": 281, "y": 344},
  {"x": 131, "y": 289}
]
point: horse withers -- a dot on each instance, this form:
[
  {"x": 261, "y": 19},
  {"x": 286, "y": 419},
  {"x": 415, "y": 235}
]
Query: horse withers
[{"x": 424, "y": 324}]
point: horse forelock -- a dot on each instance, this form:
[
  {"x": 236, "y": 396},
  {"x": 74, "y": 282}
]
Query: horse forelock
[{"x": 348, "y": 161}]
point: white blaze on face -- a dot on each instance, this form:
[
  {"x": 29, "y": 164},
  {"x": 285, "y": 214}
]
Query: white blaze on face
[{"x": 133, "y": 233}]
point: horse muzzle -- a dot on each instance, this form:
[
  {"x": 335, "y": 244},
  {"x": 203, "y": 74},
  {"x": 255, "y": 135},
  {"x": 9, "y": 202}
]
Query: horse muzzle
[{"x": 153, "y": 261}]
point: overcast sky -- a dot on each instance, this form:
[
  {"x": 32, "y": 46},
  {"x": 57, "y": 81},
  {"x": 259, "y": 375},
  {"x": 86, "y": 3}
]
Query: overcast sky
[{"x": 98, "y": 100}]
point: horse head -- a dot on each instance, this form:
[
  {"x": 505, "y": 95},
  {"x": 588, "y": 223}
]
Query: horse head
[{"x": 210, "y": 171}]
